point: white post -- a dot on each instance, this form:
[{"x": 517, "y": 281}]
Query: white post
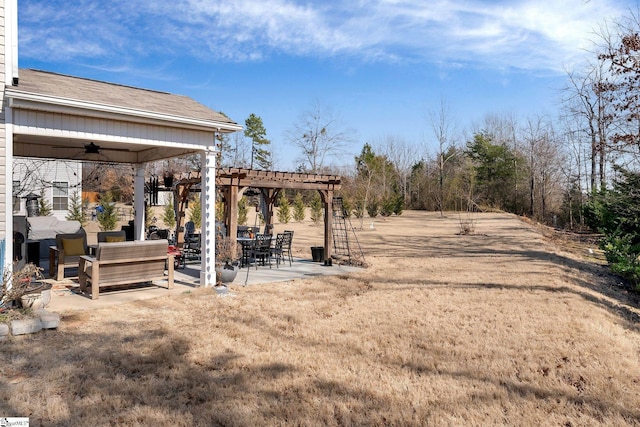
[
  {"x": 8, "y": 187},
  {"x": 138, "y": 202},
  {"x": 208, "y": 203}
]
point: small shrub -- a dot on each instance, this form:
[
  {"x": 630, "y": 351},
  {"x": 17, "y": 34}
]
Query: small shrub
[
  {"x": 243, "y": 211},
  {"x": 373, "y": 208},
  {"x": 316, "y": 208},
  {"x": 169, "y": 214},
  {"x": 284, "y": 210},
  {"x": 76, "y": 209},
  {"x": 298, "y": 208},
  {"x": 107, "y": 217}
]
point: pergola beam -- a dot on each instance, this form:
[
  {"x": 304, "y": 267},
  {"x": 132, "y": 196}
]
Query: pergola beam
[{"x": 232, "y": 182}]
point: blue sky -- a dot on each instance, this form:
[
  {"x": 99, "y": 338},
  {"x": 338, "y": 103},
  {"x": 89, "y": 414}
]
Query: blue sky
[{"x": 381, "y": 65}]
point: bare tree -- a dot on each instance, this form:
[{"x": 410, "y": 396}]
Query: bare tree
[
  {"x": 403, "y": 156},
  {"x": 318, "y": 134},
  {"x": 442, "y": 126},
  {"x": 585, "y": 98}
]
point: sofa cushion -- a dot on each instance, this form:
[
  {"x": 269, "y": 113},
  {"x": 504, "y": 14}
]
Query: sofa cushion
[{"x": 113, "y": 239}]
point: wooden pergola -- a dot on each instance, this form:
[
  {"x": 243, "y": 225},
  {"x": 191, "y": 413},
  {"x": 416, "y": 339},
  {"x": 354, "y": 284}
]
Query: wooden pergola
[{"x": 233, "y": 182}]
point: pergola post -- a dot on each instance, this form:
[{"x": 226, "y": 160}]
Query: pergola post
[
  {"x": 232, "y": 209},
  {"x": 208, "y": 211},
  {"x": 269, "y": 196},
  {"x": 328, "y": 223}
]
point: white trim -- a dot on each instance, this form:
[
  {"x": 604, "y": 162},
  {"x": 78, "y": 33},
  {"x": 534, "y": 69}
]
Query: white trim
[
  {"x": 8, "y": 228},
  {"x": 29, "y": 101},
  {"x": 11, "y": 41}
]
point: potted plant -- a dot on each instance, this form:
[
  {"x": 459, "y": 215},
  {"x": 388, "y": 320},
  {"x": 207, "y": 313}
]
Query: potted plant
[
  {"x": 26, "y": 290},
  {"x": 228, "y": 254},
  {"x": 167, "y": 179}
]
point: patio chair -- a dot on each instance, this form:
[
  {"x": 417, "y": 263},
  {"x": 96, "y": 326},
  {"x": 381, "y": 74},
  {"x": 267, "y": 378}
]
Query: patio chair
[
  {"x": 112, "y": 236},
  {"x": 191, "y": 248},
  {"x": 67, "y": 252},
  {"x": 260, "y": 249},
  {"x": 289, "y": 242},
  {"x": 279, "y": 248}
]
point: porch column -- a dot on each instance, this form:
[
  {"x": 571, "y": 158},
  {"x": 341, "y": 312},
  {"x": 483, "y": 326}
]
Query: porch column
[
  {"x": 208, "y": 229},
  {"x": 138, "y": 202},
  {"x": 6, "y": 235}
]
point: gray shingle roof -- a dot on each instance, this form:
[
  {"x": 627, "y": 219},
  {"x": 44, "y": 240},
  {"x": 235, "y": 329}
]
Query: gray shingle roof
[{"x": 114, "y": 95}]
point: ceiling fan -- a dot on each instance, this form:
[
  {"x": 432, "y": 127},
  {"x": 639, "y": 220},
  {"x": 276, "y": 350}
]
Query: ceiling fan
[{"x": 92, "y": 153}]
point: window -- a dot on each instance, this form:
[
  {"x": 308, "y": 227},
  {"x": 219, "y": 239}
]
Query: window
[
  {"x": 16, "y": 196},
  {"x": 60, "y": 196}
]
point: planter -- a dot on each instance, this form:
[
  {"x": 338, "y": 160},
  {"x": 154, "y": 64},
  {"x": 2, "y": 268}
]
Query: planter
[
  {"x": 37, "y": 298},
  {"x": 226, "y": 273},
  {"x": 317, "y": 253},
  {"x": 167, "y": 181}
]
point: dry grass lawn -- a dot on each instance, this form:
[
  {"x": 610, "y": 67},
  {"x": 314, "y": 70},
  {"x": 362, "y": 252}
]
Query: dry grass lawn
[{"x": 501, "y": 327}]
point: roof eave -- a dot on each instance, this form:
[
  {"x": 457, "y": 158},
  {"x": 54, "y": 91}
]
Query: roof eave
[{"x": 30, "y": 101}]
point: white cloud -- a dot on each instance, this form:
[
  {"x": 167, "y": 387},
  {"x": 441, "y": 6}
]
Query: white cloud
[{"x": 528, "y": 34}]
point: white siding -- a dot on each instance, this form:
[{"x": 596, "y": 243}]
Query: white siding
[
  {"x": 3, "y": 139},
  {"x": 37, "y": 123},
  {"x": 37, "y": 176}
]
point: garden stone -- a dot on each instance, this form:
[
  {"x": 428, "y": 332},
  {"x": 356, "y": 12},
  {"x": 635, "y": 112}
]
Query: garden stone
[
  {"x": 4, "y": 330},
  {"x": 49, "y": 320},
  {"x": 25, "y": 326}
]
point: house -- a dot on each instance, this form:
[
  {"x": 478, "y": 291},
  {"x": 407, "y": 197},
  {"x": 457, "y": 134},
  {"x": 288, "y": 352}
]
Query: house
[
  {"x": 54, "y": 180},
  {"x": 52, "y": 116}
]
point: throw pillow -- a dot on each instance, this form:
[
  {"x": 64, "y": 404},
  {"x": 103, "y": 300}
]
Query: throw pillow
[
  {"x": 73, "y": 247},
  {"x": 113, "y": 239}
]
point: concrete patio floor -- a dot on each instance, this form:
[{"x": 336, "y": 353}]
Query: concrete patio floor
[{"x": 66, "y": 295}]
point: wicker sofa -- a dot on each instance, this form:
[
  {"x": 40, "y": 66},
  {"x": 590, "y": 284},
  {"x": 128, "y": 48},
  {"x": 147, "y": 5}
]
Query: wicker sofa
[{"x": 122, "y": 263}]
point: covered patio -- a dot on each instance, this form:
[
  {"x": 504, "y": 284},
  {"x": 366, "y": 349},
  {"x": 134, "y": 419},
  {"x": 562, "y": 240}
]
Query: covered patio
[{"x": 55, "y": 116}]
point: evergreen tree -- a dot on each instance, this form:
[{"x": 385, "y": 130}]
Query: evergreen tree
[
  {"x": 195, "y": 213},
  {"x": 298, "y": 208},
  {"x": 148, "y": 216},
  {"x": 76, "y": 209},
  {"x": 284, "y": 211},
  {"x": 496, "y": 167},
  {"x": 255, "y": 130},
  {"x": 316, "y": 208},
  {"x": 44, "y": 205},
  {"x": 615, "y": 213},
  {"x": 108, "y": 217},
  {"x": 243, "y": 211},
  {"x": 169, "y": 214}
]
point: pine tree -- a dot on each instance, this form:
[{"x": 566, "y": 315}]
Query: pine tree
[
  {"x": 169, "y": 214},
  {"x": 195, "y": 213},
  {"x": 284, "y": 211},
  {"x": 243, "y": 211},
  {"x": 108, "y": 218},
  {"x": 44, "y": 205},
  {"x": 316, "y": 208},
  {"x": 298, "y": 208},
  {"x": 254, "y": 129},
  {"x": 76, "y": 209}
]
